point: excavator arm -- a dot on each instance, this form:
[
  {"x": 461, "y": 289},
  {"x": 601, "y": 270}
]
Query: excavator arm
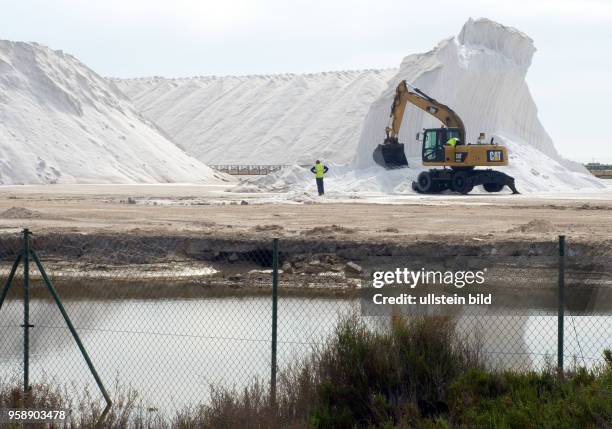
[
  {"x": 412, "y": 95},
  {"x": 391, "y": 153}
]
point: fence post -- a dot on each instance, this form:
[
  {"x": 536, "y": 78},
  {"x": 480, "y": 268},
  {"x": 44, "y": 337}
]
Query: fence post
[
  {"x": 74, "y": 333},
  {"x": 26, "y": 310},
  {"x": 561, "y": 304},
  {"x": 274, "y": 319},
  {"x": 24, "y": 254}
]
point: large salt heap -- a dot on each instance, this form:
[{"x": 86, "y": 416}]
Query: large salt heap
[
  {"x": 481, "y": 75},
  {"x": 62, "y": 123},
  {"x": 274, "y": 119}
]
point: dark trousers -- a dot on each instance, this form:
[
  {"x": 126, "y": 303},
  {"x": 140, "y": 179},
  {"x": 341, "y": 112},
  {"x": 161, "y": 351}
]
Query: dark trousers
[{"x": 320, "y": 187}]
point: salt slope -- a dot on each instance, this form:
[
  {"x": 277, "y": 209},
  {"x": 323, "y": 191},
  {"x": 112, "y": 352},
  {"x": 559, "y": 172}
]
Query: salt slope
[
  {"x": 481, "y": 74},
  {"x": 277, "y": 119},
  {"x": 535, "y": 171},
  {"x": 62, "y": 123}
]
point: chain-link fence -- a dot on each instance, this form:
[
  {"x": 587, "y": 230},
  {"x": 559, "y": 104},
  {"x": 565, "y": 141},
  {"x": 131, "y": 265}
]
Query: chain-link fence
[{"x": 172, "y": 316}]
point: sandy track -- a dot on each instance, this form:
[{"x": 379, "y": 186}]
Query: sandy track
[{"x": 177, "y": 209}]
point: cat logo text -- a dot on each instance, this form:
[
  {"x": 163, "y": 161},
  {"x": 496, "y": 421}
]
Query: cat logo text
[{"x": 495, "y": 156}]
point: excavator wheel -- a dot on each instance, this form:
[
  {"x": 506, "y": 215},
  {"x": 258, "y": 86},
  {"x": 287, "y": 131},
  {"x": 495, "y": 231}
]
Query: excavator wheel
[
  {"x": 424, "y": 183},
  {"x": 461, "y": 183}
]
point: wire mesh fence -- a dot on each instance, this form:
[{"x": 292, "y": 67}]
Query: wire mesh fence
[
  {"x": 168, "y": 325},
  {"x": 171, "y": 317}
]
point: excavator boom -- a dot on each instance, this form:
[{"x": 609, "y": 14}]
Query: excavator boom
[{"x": 404, "y": 95}]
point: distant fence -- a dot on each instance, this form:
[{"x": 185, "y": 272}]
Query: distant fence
[
  {"x": 247, "y": 169},
  {"x": 172, "y": 316},
  {"x": 603, "y": 171}
]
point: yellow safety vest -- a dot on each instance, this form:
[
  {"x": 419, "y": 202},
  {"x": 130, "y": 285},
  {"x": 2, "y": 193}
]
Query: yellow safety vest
[
  {"x": 319, "y": 170},
  {"x": 452, "y": 142}
]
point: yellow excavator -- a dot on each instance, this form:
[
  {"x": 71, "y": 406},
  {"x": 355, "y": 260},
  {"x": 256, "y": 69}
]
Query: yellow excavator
[{"x": 460, "y": 176}]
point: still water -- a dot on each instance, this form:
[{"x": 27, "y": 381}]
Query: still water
[{"x": 172, "y": 351}]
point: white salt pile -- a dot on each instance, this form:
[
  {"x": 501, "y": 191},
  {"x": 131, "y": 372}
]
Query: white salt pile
[
  {"x": 62, "y": 123},
  {"x": 278, "y": 119}
]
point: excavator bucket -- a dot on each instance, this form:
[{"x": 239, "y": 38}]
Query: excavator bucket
[{"x": 390, "y": 155}]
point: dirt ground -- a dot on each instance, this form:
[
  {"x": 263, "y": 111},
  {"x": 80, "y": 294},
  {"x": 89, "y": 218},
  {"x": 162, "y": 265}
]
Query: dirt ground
[
  {"x": 161, "y": 232},
  {"x": 214, "y": 212}
]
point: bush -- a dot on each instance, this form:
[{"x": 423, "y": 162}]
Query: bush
[
  {"x": 381, "y": 378},
  {"x": 582, "y": 399}
]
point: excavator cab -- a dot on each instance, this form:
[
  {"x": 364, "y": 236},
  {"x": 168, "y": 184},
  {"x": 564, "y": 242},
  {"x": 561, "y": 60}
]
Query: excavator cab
[{"x": 434, "y": 140}]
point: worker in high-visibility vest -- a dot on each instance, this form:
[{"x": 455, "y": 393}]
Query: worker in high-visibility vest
[
  {"x": 319, "y": 171},
  {"x": 452, "y": 142}
]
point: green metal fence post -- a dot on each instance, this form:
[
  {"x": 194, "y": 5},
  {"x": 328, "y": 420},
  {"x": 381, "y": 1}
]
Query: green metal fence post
[
  {"x": 561, "y": 304},
  {"x": 73, "y": 331},
  {"x": 26, "y": 310},
  {"x": 274, "y": 319}
]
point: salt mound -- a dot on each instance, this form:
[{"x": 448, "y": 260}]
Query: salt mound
[
  {"x": 62, "y": 123},
  {"x": 19, "y": 213},
  {"x": 286, "y": 179},
  {"x": 340, "y": 180},
  {"x": 481, "y": 75},
  {"x": 278, "y": 119}
]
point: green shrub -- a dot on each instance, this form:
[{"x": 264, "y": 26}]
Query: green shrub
[
  {"x": 582, "y": 399},
  {"x": 373, "y": 377}
]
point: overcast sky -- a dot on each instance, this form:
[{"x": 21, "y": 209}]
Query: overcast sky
[{"x": 569, "y": 78}]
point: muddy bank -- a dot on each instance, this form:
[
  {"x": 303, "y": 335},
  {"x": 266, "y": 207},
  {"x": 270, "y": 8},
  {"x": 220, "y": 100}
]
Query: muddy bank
[
  {"x": 149, "y": 248},
  {"x": 196, "y": 265}
]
